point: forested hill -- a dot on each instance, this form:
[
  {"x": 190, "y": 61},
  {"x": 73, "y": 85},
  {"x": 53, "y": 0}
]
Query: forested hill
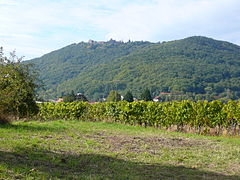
[{"x": 194, "y": 65}]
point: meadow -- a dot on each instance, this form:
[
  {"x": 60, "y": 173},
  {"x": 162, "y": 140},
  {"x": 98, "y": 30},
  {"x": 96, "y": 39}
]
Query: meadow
[{"x": 73, "y": 149}]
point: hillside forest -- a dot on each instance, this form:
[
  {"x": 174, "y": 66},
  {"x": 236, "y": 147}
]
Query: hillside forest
[{"x": 193, "y": 68}]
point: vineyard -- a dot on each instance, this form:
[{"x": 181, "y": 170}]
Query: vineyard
[{"x": 200, "y": 117}]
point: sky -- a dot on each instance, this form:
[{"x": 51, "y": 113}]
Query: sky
[{"x": 36, "y": 27}]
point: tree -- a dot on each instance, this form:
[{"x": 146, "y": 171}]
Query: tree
[
  {"x": 81, "y": 97},
  {"x": 17, "y": 87},
  {"x": 114, "y": 96},
  {"x": 146, "y": 95},
  {"x": 128, "y": 97},
  {"x": 74, "y": 97},
  {"x": 69, "y": 97}
]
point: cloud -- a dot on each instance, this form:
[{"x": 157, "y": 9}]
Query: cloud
[
  {"x": 164, "y": 20},
  {"x": 37, "y": 27}
]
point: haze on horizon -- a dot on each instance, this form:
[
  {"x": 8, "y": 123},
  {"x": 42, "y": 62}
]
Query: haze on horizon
[{"x": 34, "y": 28}]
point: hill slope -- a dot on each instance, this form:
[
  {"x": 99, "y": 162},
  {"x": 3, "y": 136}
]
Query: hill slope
[{"x": 196, "y": 65}]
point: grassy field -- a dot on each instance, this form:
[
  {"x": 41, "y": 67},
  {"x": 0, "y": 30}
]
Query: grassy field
[{"x": 96, "y": 150}]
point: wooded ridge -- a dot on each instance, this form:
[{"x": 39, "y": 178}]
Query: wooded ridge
[{"x": 194, "y": 68}]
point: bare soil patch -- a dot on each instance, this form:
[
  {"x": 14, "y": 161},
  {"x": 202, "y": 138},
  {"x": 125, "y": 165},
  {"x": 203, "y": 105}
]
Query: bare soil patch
[{"x": 139, "y": 144}]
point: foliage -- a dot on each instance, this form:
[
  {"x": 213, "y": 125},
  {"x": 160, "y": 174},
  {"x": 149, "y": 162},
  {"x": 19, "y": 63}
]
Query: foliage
[
  {"x": 128, "y": 97},
  {"x": 146, "y": 95},
  {"x": 74, "y": 97},
  {"x": 17, "y": 87},
  {"x": 193, "y": 68},
  {"x": 75, "y": 61},
  {"x": 69, "y": 110},
  {"x": 113, "y": 96},
  {"x": 201, "y": 115},
  {"x": 69, "y": 97}
]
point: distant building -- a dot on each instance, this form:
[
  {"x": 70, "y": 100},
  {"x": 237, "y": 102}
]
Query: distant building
[
  {"x": 38, "y": 102},
  {"x": 157, "y": 99},
  {"x": 92, "y": 102},
  {"x": 91, "y": 41},
  {"x": 60, "y": 100},
  {"x": 81, "y": 97},
  {"x": 104, "y": 99},
  {"x": 163, "y": 93},
  {"x": 122, "y": 97},
  {"x": 135, "y": 99}
]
